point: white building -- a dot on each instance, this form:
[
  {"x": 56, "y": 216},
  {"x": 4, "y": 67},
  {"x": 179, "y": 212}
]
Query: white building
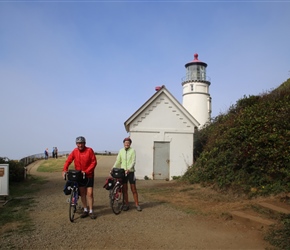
[{"x": 162, "y": 130}]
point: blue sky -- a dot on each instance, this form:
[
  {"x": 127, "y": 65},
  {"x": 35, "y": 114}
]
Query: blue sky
[{"x": 70, "y": 68}]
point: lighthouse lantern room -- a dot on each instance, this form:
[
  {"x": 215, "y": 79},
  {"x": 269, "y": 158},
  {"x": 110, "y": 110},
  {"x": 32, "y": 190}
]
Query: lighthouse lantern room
[{"x": 196, "y": 97}]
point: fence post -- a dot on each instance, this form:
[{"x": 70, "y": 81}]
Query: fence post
[{"x": 25, "y": 173}]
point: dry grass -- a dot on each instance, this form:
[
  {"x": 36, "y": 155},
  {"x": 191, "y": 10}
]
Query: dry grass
[{"x": 194, "y": 198}]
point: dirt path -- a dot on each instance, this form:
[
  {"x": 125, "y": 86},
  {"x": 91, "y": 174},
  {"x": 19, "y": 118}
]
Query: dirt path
[{"x": 158, "y": 226}]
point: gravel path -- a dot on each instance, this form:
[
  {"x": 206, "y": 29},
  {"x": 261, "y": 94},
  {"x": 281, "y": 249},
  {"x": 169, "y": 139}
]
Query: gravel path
[{"x": 158, "y": 226}]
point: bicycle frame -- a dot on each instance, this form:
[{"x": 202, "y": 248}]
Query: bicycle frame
[
  {"x": 116, "y": 196},
  {"x": 73, "y": 201},
  {"x": 74, "y": 197}
]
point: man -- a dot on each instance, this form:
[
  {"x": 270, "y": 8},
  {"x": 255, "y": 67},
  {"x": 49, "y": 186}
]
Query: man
[
  {"x": 84, "y": 160},
  {"x": 126, "y": 159}
]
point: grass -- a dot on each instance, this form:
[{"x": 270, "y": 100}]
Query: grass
[
  {"x": 14, "y": 217},
  {"x": 191, "y": 199},
  {"x": 52, "y": 165},
  {"x": 15, "y": 212},
  {"x": 266, "y": 212}
]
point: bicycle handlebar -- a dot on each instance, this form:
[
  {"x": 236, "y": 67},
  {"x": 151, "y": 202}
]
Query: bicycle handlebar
[
  {"x": 65, "y": 175},
  {"x": 117, "y": 178}
]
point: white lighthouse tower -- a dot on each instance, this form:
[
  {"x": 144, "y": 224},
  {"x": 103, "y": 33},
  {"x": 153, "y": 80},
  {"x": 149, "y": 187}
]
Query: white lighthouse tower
[{"x": 196, "y": 98}]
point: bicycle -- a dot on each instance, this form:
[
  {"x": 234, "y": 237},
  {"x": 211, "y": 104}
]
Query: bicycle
[
  {"x": 75, "y": 176},
  {"x": 116, "y": 193}
]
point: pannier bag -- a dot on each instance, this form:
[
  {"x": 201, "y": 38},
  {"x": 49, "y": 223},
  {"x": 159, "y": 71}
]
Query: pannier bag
[
  {"x": 68, "y": 187},
  {"x": 118, "y": 173},
  {"x": 75, "y": 175},
  {"x": 109, "y": 184}
]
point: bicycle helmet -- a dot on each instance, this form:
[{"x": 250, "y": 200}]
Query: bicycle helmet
[
  {"x": 80, "y": 139},
  {"x": 127, "y": 139}
]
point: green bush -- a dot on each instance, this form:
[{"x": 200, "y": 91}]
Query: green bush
[
  {"x": 16, "y": 169},
  {"x": 248, "y": 148},
  {"x": 279, "y": 234}
]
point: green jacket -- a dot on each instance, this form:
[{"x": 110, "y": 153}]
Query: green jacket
[{"x": 126, "y": 159}]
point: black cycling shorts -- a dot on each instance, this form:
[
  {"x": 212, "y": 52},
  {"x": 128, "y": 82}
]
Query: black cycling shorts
[
  {"x": 130, "y": 177},
  {"x": 87, "y": 182}
]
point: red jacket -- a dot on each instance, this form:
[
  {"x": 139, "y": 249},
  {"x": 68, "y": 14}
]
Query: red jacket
[{"x": 84, "y": 160}]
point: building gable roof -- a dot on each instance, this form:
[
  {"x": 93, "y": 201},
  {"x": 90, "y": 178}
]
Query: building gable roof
[{"x": 161, "y": 110}]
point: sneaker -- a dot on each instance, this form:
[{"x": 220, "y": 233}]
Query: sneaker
[
  {"x": 92, "y": 216},
  {"x": 139, "y": 208},
  {"x": 126, "y": 208},
  {"x": 85, "y": 214}
]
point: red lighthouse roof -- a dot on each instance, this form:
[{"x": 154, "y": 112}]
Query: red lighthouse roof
[
  {"x": 195, "y": 61},
  {"x": 196, "y": 58}
]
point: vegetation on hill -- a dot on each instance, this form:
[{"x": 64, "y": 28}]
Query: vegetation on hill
[
  {"x": 16, "y": 169},
  {"x": 247, "y": 150}
]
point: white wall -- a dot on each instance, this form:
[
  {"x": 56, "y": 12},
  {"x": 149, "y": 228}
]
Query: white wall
[
  {"x": 181, "y": 152},
  {"x": 163, "y": 119},
  {"x": 142, "y": 143},
  {"x": 197, "y": 101}
]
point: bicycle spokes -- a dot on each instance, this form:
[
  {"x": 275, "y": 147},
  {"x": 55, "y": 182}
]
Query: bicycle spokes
[
  {"x": 117, "y": 199},
  {"x": 73, "y": 204}
]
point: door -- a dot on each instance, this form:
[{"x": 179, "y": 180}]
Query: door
[{"x": 161, "y": 161}]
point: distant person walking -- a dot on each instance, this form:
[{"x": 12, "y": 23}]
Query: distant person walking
[
  {"x": 55, "y": 152},
  {"x": 46, "y": 154},
  {"x": 126, "y": 159},
  {"x": 84, "y": 160}
]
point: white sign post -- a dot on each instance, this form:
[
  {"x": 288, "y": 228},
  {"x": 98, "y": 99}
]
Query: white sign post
[{"x": 4, "y": 180}]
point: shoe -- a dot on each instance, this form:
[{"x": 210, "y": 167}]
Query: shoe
[
  {"x": 139, "y": 208},
  {"x": 85, "y": 214},
  {"x": 93, "y": 217},
  {"x": 126, "y": 208}
]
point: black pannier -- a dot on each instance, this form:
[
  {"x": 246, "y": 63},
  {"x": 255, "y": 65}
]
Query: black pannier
[
  {"x": 75, "y": 175},
  {"x": 109, "y": 184},
  {"x": 118, "y": 173},
  {"x": 68, "y": 187}
]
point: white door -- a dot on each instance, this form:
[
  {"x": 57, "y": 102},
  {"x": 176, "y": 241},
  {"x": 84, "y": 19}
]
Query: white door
[{"x": 161, "y": 161}]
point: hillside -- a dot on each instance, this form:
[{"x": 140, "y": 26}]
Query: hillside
[{"x": 247, "y": 150}]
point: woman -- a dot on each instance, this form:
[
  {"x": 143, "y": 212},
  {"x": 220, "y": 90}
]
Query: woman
[{"x": 126, "y": 159}]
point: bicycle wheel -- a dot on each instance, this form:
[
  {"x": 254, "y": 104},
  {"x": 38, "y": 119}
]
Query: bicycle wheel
[
  {"x": 117, "y": 199},
  {"x": 72, "y": 206}
]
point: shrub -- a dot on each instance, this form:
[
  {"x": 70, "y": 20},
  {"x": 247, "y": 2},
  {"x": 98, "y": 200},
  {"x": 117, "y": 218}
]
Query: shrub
[
  {"x": 279, "y": 234},
  {"x": 16, "y": 169},
  {"x": 248, "y": 147}
]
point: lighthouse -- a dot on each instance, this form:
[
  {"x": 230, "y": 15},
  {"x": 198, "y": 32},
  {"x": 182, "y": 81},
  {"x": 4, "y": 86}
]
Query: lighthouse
[{"x": 196, "y": 98}]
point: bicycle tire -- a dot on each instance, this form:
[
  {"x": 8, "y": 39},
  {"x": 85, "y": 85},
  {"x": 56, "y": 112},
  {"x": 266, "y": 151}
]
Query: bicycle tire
[
  {"x": 117, "y": 199},
  {"x": 72, "y": 206}
]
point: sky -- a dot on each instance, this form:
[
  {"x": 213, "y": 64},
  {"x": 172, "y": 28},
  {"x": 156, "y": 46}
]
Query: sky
[{"x": 71, "y": 68}]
